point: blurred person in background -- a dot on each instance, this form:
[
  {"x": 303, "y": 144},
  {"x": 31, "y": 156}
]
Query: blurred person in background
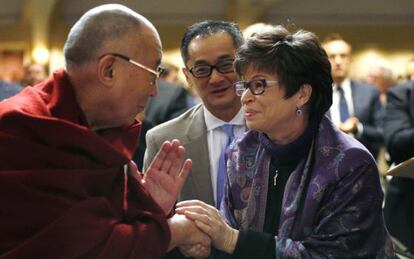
[
  {"x": 410, "y": 70},
  {"x": 399, "y": 139},
  {"x": 8, "y": 89},
  {"x": 356, "y": 107},
  {"x": 34, "y": 74},
  {"x": 297, "y": 187},
  {"x": 380, "y": 75},
  {"x": 170, "y": 73}
]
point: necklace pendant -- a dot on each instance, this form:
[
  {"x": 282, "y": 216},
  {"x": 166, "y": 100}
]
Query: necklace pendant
[{"x": 275, "y": 177}]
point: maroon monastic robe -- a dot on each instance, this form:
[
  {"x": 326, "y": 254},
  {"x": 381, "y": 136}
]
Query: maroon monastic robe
[{"x": 64, "y": 192}]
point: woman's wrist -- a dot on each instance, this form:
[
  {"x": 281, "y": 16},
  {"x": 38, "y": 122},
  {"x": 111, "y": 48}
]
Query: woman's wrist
[{"x": 231, "y": 241}]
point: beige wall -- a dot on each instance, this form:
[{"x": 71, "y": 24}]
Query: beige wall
[{"x": 393, "y": 38}]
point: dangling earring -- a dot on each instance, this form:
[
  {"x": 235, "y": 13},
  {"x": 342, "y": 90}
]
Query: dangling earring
[{"x": 299, "y": 111}]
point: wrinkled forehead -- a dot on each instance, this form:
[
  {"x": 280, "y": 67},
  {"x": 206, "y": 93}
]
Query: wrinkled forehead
[{"x": 144, "y": 44}]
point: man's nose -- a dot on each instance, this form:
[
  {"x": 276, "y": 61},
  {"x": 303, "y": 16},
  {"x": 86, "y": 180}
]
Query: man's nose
[{"x": 215, "y": 76}]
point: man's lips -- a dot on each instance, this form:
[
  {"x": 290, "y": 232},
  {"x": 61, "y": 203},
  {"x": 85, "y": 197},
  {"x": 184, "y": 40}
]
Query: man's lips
[
  {"x": 249, "y": 113},
  {"x": 220, "y": 89}
]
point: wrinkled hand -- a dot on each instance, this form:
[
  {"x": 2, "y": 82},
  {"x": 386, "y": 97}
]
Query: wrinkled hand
[
  {"x": 191, "y": 240},
  {"x": 165, "y": 176},
  {"x": 209, "y": 220},
  {"x": 350, "y": 125},
  {"x": 195, "y": 251}
]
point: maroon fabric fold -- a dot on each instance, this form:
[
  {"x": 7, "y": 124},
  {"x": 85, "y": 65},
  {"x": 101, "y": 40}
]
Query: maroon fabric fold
[{"x": 62, "y": 186}]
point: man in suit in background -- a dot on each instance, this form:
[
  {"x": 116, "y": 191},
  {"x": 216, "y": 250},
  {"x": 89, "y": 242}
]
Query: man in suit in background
[
  {"x": 399, "y": 138},
  {"x": 356, "y": 107},
  {"x": 208, "y": 49}
]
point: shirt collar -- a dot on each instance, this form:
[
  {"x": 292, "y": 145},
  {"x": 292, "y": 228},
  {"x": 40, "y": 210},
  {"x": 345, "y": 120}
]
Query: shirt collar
[
  {"x": 346, "y": 85},
  {"x": 212, "y": 122}
]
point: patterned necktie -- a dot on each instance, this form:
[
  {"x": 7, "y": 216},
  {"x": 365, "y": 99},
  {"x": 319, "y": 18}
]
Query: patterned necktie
[
  {"x": 343, "y": 106},
  {"x": 221, "y": 174}
]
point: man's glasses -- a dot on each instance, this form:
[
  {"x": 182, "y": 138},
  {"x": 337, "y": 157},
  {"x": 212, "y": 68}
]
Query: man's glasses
[
  {"x": 157, "y": 72},
  {"x": 256, "y": 86},
  {"x": 202, "y": 71}
]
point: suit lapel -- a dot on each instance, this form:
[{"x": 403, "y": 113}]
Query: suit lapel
[{"x": 197, "y": 148}]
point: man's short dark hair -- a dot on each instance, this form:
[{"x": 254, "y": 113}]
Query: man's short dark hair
[
  {"x": 208, "y": 28},
  {"x": 296, "y": 59}
]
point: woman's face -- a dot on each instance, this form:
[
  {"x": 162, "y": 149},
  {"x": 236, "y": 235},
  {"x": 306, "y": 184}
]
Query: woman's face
[{"x": 270, "y": 112}]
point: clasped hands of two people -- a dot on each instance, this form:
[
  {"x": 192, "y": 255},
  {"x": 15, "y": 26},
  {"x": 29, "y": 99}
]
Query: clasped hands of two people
[{"x": 196, "y": 225}]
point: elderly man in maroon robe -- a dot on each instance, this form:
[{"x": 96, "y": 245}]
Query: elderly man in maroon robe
[{"x": 67, "y": 186}]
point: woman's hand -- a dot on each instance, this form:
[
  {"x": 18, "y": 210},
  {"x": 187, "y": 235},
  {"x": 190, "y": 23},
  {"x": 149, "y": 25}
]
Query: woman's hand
[
  {"x": 209, "y": 220},
  {"x": 188, "y": 237}
]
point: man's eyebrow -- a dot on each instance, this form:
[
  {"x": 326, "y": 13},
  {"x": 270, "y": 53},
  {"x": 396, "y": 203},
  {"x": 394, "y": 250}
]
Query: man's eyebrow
[
  {"x": 226, "y": 56},
  {"x": 220, "y": 58}
]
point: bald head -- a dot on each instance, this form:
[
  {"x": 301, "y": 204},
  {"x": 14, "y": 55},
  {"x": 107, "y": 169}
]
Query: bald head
[
  {"x": 97, "y": 27},
  {"x": 109, "y": 88}
]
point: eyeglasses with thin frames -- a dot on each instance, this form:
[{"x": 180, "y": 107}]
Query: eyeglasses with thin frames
[
  {"x": 205, "y": 70},
  {"x": 257, "y": 86},
  {"x": 157, "y": 72}
]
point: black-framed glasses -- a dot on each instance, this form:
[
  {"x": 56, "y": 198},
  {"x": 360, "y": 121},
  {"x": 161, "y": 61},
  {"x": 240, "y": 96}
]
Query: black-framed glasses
[
  {"x": 257, "y": 86},
  {"x": 205, "y": 70},
  {"x": 157, "y": 72}
]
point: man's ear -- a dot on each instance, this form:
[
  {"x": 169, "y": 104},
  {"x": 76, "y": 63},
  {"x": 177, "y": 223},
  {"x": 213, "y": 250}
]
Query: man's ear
[
  {"x": 305, "y": 93},
  {"x": 106, "y": 71},
  {"x": 187, "y": 75}
]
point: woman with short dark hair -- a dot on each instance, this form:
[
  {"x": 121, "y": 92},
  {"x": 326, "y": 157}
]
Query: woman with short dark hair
[{"x": 297, "y": 187}]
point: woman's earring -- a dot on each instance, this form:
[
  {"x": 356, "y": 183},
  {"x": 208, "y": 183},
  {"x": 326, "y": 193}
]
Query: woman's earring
[{"x": 299, "y": 111}]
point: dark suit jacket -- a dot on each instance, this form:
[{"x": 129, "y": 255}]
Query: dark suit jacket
[
  {"x": 399, "y": 138},
  {"x": 368, "y": 110},
  {"x": 170, "y": 102}
]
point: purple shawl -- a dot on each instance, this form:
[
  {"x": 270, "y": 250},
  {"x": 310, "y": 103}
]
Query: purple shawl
[{"x": 332, "y": 204}]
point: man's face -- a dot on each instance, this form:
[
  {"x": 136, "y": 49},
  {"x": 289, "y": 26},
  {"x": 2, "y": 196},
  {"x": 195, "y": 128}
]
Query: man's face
[
  {"x": 339, "y": 54},
  {"x": 134, "y": 85},
  {"x": 377, "y": 76},
  {"x": 216, "y": 90},
  {"x": 35, "y": 74}
]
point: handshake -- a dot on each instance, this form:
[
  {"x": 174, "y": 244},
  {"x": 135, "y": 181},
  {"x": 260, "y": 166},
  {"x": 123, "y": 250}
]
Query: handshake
[
  {"x": 196, "y": 226},
  {"x": 202, "y": 227}
]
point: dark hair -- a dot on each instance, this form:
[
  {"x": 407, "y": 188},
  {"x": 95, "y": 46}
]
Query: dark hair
[
  {"x": 207, "y": 28},
  {"x": 296, "y": 59}
]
